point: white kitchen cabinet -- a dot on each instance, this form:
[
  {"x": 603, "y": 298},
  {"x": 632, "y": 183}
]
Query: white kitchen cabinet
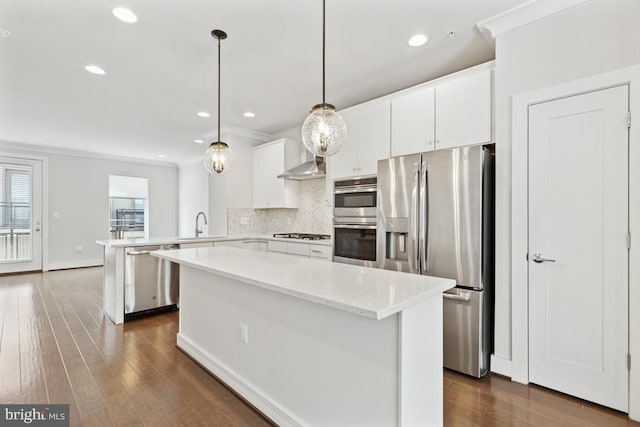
[
  {"x": 463, "y": 111},
  {"x": 277, "y": 246},
  {"x": 196, "y": 245},
  {"x": 300, "y": 249},
  {"x": 269, "y": 161},
  {"x": 320, "y": 252},
  {"x": 252, "y": 244},
  {"x": 368, "y": 140},
  {"x": 454, "y": 113},
  {"x": 413, "y": 122}
]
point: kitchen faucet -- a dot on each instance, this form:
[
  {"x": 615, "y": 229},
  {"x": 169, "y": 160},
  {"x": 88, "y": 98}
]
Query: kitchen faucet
[{"x": 199, "y": 230}]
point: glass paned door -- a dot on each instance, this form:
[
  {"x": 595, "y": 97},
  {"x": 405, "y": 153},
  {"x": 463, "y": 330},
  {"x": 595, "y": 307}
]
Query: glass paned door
[{"x": 20, "y": 215}]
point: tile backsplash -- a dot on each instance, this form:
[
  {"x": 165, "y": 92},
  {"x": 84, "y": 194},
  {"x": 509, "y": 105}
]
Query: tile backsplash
[{"x": 313, "y": 215}]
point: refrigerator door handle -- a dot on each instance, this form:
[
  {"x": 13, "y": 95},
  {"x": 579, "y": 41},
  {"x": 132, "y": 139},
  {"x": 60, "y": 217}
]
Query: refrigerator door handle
[
  {"x": 414, "y": 259},
  {"x": 463, "y": 297},
  {"x": 424, "y": 211}
]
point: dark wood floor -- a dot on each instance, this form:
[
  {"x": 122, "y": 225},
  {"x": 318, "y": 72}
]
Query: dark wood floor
[{"x": 56, "y": 347}]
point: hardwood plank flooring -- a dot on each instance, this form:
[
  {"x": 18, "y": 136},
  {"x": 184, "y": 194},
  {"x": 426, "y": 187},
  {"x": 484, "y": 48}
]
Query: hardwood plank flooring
[{"x": 56, "y": 347}]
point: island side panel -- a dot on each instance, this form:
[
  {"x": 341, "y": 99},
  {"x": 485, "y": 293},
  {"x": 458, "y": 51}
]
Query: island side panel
[
  {"x": 109, "y": 283},
  {"x": 113, "y": 284},
  {"x": 421, "y": 362},
  {"x": 304, "y": 363}
]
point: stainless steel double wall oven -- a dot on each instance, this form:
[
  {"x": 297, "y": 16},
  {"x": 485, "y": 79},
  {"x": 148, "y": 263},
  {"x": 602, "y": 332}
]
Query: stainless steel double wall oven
[{"x": 354, "y": 221}]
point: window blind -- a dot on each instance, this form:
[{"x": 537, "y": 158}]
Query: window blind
[{"x": 15, "y": 212}]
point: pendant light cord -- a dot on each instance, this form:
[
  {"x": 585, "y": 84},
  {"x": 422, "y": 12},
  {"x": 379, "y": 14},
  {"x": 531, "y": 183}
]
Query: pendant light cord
[
  {"x": 219, "y": 90},
  {"x": 323, "y": 50}
]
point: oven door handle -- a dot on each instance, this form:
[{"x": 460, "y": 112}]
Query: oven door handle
[
  {"x": 355, "y": 226},
  {"x": 345, "y": 190}
]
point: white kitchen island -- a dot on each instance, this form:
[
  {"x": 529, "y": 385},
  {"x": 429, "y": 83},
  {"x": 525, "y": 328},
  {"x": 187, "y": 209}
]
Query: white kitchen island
[{"x": 315, "y": 343}]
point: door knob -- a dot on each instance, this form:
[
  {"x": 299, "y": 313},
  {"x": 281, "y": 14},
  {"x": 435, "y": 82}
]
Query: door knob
[{"x": 538, "y": 258}]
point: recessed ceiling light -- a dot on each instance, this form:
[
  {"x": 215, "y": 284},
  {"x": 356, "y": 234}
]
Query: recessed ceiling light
[
  {"x": 4, "y": 33},
  {"x": 204, "y": 114},
  {"x": 198, "y": 141},
  {"x": 162, "y": 156},
  {"x": 125, "y": 15},
  {"x": 418, "y": 40},
  {"x": 94, "y": 69},
  {"x": 249, "y": 114}
]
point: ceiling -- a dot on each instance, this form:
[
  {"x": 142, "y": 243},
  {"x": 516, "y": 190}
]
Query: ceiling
[{"x": 162, "y": 70}]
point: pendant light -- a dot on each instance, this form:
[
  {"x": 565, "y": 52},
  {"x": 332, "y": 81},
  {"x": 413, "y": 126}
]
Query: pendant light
[
  {"x": 219, "y": 158},
  {"x": 323, "y": 131}
]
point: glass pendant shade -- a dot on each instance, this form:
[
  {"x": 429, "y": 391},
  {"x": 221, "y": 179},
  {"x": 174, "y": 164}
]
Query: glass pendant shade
[
  {"x": 219, "y": 158},
  {"x": 324, "y": 131}
]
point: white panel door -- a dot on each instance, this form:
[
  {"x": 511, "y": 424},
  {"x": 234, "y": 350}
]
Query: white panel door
[
  {"x": 20, "y": 215},
  {"x": 578, "y": 216}
]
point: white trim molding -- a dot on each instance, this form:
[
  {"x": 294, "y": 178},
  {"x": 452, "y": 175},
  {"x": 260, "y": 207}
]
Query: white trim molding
[
  {"x": 236, "y": 131},
  {"x": 240, "y": 385},
  {"x": 521, "y": 15},
  {"x": 25, "y": 149},
  {"x": 519, "y": 212},
  {"x": 500, "y": 365},
  {"x": 98, "y": 262}
]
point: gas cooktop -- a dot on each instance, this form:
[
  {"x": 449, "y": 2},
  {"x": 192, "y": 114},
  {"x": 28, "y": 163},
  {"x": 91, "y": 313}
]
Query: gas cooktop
[{"x": 302, "y": 236}]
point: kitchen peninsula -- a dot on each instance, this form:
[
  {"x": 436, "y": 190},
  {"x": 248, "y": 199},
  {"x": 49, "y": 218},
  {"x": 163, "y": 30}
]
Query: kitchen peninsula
[
  {"x": 133, "y": 280},
  {"x": 314, "y": 343}
]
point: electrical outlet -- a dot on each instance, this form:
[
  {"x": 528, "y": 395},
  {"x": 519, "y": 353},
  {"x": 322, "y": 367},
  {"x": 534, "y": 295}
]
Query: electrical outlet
[
  {"x": 244, "y": 220},
  {"x": 244, "y": 333},
  {"x": 79, "y": 248}
]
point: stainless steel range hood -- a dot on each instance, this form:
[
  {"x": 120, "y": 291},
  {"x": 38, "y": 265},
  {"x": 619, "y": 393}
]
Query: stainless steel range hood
[{"x": 313, "y": 168}]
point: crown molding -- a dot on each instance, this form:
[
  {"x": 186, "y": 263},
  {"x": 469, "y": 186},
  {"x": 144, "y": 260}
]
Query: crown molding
[
  {"x": 191, "y": 161},
  {"x": 227, "y": 131},
  {"x": 236, "y": 131},
  {"x": 521, "y": 15},
  {"x": 33, "y": 148}
]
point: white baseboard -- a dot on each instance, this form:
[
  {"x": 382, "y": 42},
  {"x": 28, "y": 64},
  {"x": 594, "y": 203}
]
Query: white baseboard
[
  {"x": 244, "y": 388},
  {"x": 501, "y": 366},
  {"x": 98, "y": 262}
]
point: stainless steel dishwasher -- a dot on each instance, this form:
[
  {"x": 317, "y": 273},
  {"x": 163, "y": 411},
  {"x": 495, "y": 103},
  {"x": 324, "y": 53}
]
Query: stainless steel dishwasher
[{"x": 150, "y": 283}]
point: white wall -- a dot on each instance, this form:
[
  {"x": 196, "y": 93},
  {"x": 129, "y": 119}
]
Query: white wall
[
  {"x": 193, "y": 196},
  {"x": 79, "y": 191},
  {"x": 595, "y": 37}
]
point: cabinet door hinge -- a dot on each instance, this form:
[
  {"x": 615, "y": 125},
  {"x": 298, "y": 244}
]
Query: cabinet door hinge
[
  {"x": 628, "y": 240},
  {"x": 629, "y": 119}
]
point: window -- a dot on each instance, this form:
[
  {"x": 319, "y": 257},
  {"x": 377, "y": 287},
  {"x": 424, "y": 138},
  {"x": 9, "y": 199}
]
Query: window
[{"x": 15, "y": 212}]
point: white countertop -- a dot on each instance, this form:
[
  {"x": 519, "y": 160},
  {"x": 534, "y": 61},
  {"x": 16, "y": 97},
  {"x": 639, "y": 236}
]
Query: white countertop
[
  {"x": 122, "y": 243},
  {"x": 369, "y": 292}
]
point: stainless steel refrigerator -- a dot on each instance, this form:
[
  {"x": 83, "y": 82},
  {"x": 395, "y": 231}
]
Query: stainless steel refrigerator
[{"x": 435, "y": 216}]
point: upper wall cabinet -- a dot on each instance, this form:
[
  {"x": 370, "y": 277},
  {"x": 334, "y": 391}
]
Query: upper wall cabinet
[
  {"x": 463, "y": 111},
  {"x": 413, "y": 118},
  {"x": 368, "y": 140},
  {"x": 269, "y": 161},
  {"x": 451, "y": 114}
]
